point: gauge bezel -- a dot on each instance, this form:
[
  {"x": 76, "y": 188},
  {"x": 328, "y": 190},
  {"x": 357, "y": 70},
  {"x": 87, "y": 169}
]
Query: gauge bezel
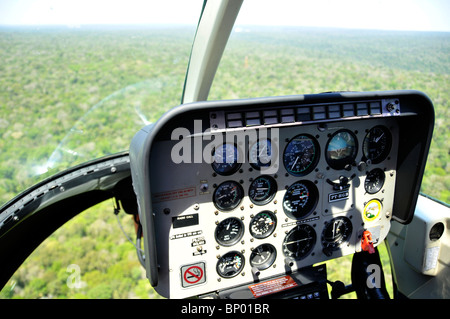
[
  {"x": 384, "y": 153},
  {"x": 267, "y": 263},
  {"x": 341, "y": 163},
  {"x": 272, "y": 191},
  {"x": 234, "y": 254},
  {"x": 235, "y": 205},
  {"x": 234, "y": 240},
  {"x": 313, "y": 163},
  {"x": 310, "y": 205},
  {"x": 230, "y": 168},
  {"x": 311, "y": 243},
  {"x": 271, "y": 229}
]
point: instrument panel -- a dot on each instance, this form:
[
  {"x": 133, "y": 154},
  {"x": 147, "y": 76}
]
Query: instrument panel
[{"x": 240, "y": 204}]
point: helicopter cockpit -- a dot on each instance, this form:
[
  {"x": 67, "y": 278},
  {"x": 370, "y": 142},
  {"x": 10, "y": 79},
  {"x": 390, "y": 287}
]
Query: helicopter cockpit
[{"x": 249, "y": 198}]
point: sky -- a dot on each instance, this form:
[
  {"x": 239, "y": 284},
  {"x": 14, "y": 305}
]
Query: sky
[{"x": 417, "y": 15}]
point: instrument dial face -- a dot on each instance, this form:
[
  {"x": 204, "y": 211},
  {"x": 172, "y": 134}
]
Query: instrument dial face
[
  {"x": 230, "y": 264},
  {"x": 226, "y": 159},
  {"x": 377, "y": 144},
  {"x": 374, "y": 181},
  {"x": 262, "y": 190},
  {"x": 301, "y": 155},
  {"x": 260, "y": 154},
  {"x": 336, "y": 232},
  {"x": 341, "y": 149},
  {"x": 299, "y": 242},
  {"x": 263, "y": 224},
  {"x": 228, "y": 195},
  {"x": 300, "y": 199},
  {"x": 229, "y": 231},
  {"x": 263, "y": 256}
]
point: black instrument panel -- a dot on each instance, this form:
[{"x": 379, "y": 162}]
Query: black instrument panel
[{"x": 244, "y": 191}]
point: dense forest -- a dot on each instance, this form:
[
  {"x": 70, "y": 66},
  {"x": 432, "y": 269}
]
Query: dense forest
[{"x": 70, "y": 95}]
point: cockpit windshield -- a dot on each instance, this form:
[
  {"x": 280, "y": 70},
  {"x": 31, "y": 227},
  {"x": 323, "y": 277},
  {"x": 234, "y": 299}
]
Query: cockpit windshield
[
  {"x": 79, "y": 78},
  {"x": 323, "y": 46}
]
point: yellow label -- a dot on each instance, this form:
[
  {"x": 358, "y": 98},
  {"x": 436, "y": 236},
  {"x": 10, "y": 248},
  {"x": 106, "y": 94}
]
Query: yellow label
[{"x": 372, "y": 210}]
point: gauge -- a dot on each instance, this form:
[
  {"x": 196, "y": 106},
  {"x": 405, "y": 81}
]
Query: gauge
[
  {"x": 229, "y": 231},
  {"x": 226, "y": 159},
  {"x": 341, "y": 149},
  {"x": 374, "y": 181},
  {"x": 260, "y": 154},
  {"x": 372, "y": 210},
  {"x": 336, "y": 232},
  {"x": 377, "y": 144},
  {"x": 301, "y": 155},
  {"x": 228, "y": 195},
  {"x": 299, "y": 242},
  {"x": 300, "y": 199},
  {"x": 263, "y": 224},
  {"x": 230, "y": 264},
  {"x": 263, "y": 256},
  {"x": 262, "y": 190}
]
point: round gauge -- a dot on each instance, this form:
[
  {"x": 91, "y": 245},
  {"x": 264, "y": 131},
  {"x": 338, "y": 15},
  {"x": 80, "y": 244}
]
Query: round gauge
[
  {"x": 337, "y": 231},
  {"x": 260, "y": 154},
  {"x": 229, "y": 231},
  {"x": 226, "y": 159},
  {"x": 377, "y": 144},
  {"x": 230, "y": 264},
  {"x": 263, "y": 224},
  {"x": 228, "y": 195},
  {"x": 262, "y": 190},
  {"x": 263, "y": 256},
  {"x": 374, "y": 181},
  {"x": 299, "y": 242},
  {"x": 372, "y": 210},
  {"x": 342, "y": 148},
  {"x": 300, "y": 199},
  {"x": 301, "y": 155}
]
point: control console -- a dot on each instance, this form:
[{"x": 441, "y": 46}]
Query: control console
[{"x": 251, "y": 192}]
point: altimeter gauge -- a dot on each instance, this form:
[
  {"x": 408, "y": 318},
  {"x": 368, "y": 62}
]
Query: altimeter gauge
[
  {"x": 228, "y": 195},
  {"x": 336, "y": 232},
  {"x": 263, "y": 224},
  {"x": 263, "y": 256},
  {"x": 262, "y": 190},
  {"x": 260, "y": 154},
  {"x": 299, "y": 242},
  {"x": 229, "y": 231},
  {"x": 230, "y": 264},
  {"x": 374, "y": 180},
  {"x": 226, "y": 159},
  {"x": 377, "y": 144},
  {"x": 300, "y": 199},
  {"x": 301, "y": 155}
]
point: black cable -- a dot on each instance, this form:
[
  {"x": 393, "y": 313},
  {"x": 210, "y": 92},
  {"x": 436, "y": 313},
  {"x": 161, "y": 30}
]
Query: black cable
[{"x": 139, "y": 251}]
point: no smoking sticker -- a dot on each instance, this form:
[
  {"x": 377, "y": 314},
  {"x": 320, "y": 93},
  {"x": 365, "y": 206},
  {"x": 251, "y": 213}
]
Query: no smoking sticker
[{"x": 193, "y": 274}]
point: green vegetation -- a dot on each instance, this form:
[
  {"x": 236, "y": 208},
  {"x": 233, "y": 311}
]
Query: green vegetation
[{"x": 51, "y": 77}]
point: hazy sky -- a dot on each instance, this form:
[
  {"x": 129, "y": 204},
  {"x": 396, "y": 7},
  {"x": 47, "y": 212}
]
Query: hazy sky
[{"x": 425, "y": 15}]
